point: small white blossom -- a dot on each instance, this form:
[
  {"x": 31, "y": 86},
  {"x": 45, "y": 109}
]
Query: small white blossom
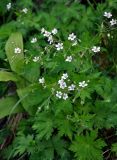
[
  {"x": 63, "y": 85},
  {"x": 8, "y": 6},
  {"x": 42, "y": 80},
  {"x": 25, "y": 10},
  {"x": 108, "y": 35},
  {"x": 65, "y": 96},
  {"x": 46, "y": 34},
  {"x": 60, "y": 81},
  {"x": 71, "y": 87},
  {"x": 50, "y": 39},
  {"x": 35, "y": 59},
  {"x": 39, "y": 109},
  {"x": 107, "y": 14},
  {"x": 17, "y": 50},
  {"x": 59, "y": 46},
  {"x": 82, "y": 84},
  {"x": 59, "y": 94},
  {"x": 34, "y": 40},
  {"x": 72, "y": 37},
  {"x": 43, "y": 30},
  {"x": 95, "y": 49},
  {"x": 69, "y": 59},
  {"x": 54, "y": 31},
  {"x": 75, "y": 43},
  {"x": 113, "y": 22},
  {"x": 64, "y": 76}
]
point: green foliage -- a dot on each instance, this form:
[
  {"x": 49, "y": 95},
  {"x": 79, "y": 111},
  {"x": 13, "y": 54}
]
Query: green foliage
[
  {"x": 8, "y": 76},
  {"x": 44, "y": 125},
  {"x": 88, "y": 147},
  {"x": 16, "y": 60},
  {"x": 9, "y": 106},
  {"x": 114, "y": 148},
  {"x": 65, "y": 89}
]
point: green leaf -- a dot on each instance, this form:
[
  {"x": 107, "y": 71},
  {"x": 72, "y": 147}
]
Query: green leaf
[
  {"x": 8, "y": 76},
  {"x": 65, "y": 126},
  {"x": 23, "y": 143},
  {"x": 114, "y": 148},
  {"x": 7, "y": 106},
  {"x": 88, "y": 147},
  {"x": 62, "y": 106},
  {"x": 32, "y": 96},
  {"x": 44, "y": 150},
  {"x": 60, "y": 147},
  {"x": 44, "y": 125},
  {"x": 7, "y": 29},
  {"x": 16, "y": 60},
  {"x": 31, "y": 71}
]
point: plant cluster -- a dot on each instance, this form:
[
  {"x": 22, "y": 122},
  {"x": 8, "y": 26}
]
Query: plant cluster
[{"x": 58, "y": 80}]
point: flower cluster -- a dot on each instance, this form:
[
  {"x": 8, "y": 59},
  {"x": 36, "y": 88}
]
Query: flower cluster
[
  {"x": 109, "y": 15},
  {"x": 58, "y": 45},
  {"x": 62, "y": 85},
  {"x": 60, "y": 95},
  {"x": 49, "y": 35},
  {"x": 65, "y": 87}
]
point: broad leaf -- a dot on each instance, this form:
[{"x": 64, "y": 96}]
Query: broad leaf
[
  {"x": 9, "y": 106},
  {"x": 16, "y": 60},
  {"x": 8, "y": 76},
  {"x": 32, "y": 96},
  {"x": 31, "y": 71}
]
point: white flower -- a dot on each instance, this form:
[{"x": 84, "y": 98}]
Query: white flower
[
  {"x": 107, "y": 14},
  {"x": 60, "y": 81},
  {"x": 75, "y": 43},
  {"x": 113, "y": 22},
  {"x": 25, "y": 10},
  {"x": 108, "y": 35},
  {"x": 58, "y": 94},
  {"x": 35, "y": 59},
  {"x": 59, "y": 46},
  {"x": 46, "y": 34},
  {"x": 54, "y": 31},
  {"x": 50, "y": 39},
  {"x": 42, "y": 80},
  {"x": 71, "y": 87},
  {"x": 82, "y": 84},
  {"x": 8, "y": 6},
  {"x": 63, "y": 85},
  {"x": 43, "y": 30},
  {"x": 65, "y": 96},
  {"x": 95, "y": 49},
  {"x": 34, "y": 40},
  {"x": 72, "y": 37},
  {"x": 69, "y": 59},
  {"x": 17, "y": 50},
  {"x": 64, "y": 76}
]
